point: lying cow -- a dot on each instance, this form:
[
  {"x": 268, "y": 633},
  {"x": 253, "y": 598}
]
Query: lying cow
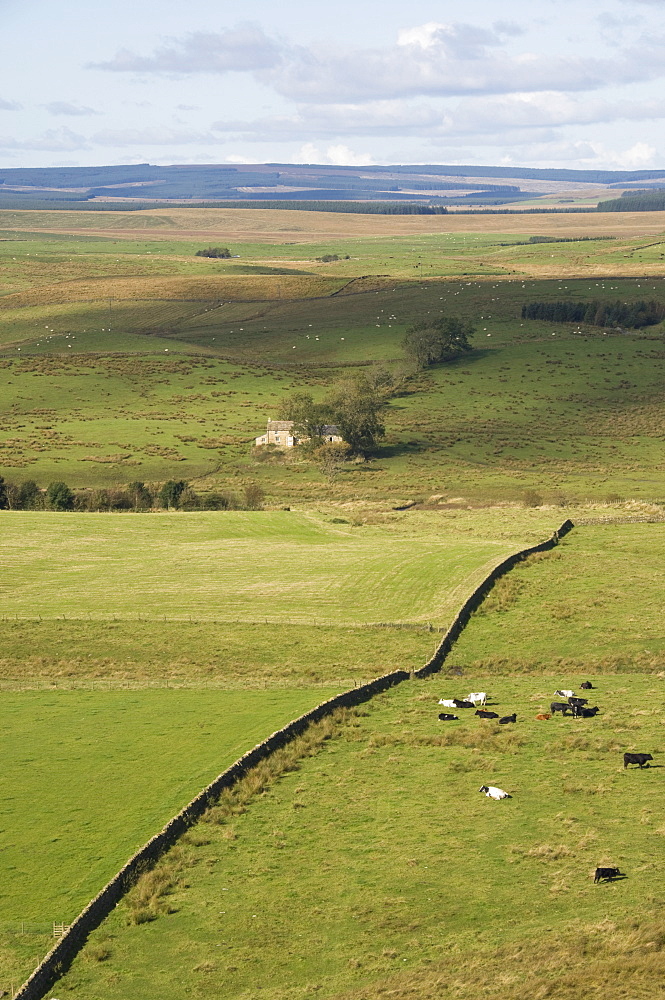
[
  {"x": 477, "y": 697},
  {"x": 444, "y": 717},
  {"x": 607, "y": 873},
  {"x": 580, "y": 712},
  {"x": 508, "y": 718},
  {"x": 560, "y": 706},
  {"x": 447, "y": 702},
  {"x": 487, "y": 715},
  {"x": 637, "y": 758},
  {"x": 564, "y": 694},
  {"x": 494, "y": 793},
  {"x": 543, "y": 716},
  {"x": 586, "y": 685},
  {"x": 463, "y": 703}
]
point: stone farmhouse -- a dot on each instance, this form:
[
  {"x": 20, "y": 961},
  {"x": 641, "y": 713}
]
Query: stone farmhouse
[{"x": 280, "y": 433}]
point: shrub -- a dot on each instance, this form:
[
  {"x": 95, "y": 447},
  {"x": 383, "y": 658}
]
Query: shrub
[
  {"x": 170, "y": 493},
  {"x": 59, "y": 496},
  {"x": 216, "y": 252},
  {"x": 531, "y": 498},
  {"x": 254, "y": 496}
]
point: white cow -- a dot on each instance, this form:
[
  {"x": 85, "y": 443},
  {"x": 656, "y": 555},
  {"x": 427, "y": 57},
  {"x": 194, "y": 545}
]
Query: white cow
[
  {"x": 564, "y": 694},
  {"x": 447, "y": 703},
  {"x": 477, "y": 697},
  {"x": 494, "y": 793}
]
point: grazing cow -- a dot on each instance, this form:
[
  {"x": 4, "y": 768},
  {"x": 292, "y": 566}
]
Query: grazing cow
[
  {"x": 445, "y": 717},
  {"x": 585, "y": 713},
  {"x": 559, "y": 706},
  {"x": 586, "y": 685},
  {"x": 462, "y": 703},
  {"x": 637, "y": 758},
  {"x": 578, "y": 701},
  {"x": 477, "y": 697},
  {"x": 487, "y": 715},
  {"x": 494, "y": 793},
  {"x": 447, "y": 702},
  {"x": 607, "y": 873},
  {"x": 544, "y": 716},
  {"x": 564, "y": 694},
  {"x": 508, "y": 718}
]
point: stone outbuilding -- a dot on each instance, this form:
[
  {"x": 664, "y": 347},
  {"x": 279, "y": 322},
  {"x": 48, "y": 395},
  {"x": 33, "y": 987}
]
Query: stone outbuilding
[{"x": 280, "y": 433}]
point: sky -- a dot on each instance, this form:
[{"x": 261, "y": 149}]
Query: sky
[{"x": 531, "y": 83}]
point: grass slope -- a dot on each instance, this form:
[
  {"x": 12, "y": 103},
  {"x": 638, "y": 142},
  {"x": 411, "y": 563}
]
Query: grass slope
[
  {"x": 574, "y": 414},
  {"x": 90, "y": 776},
  {"x": 400, "y": 862},
  {"x": 594, "y": 603}
]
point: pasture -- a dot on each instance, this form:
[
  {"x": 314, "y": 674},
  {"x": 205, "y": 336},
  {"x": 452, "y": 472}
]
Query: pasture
[
  {"x": 573, "y": 415},
  {"x": 594, "y": 603},
  {"x": 88, "y": 777},
  {"x": 408, "y": 880}
]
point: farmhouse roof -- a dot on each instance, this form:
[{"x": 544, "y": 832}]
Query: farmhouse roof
[{"x": 280, "y": 425}]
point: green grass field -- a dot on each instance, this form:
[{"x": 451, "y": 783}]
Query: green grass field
[
  {"x": 124, "y": 357},
  {"x": 250, "y": 567},
  {"x": 405, "y": 874},
  {"x": 594, "y": 603},
  {"x": 569, "y": 414},
  {"x": 90, "y": 776}
]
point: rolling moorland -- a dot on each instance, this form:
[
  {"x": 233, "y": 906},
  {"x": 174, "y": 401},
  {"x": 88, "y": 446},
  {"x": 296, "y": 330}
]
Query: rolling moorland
[{"x": 123, "y": 358}]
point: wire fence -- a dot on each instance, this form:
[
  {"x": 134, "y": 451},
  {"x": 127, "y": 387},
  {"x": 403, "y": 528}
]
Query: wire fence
[
  {"x": 175, "y": 684},
  {"x": 192, "y": 620}
]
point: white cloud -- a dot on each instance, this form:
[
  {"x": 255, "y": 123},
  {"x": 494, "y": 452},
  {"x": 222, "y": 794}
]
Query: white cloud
[
  {"x": 9, "y": 105},
  {"x": 484, "y": 116},
  {"x": 338, "y": 154},
  {"x": 153, "y": 136},
  {"x": 66, "y": 108},
  {"x": 53, "y": 140},
  {"x": 245, "y": 47}
]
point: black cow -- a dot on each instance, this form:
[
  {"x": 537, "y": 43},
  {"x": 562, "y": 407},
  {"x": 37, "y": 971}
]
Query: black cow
[
  {"x": 508, "y": 718},
  {"x": 637, "y": 758},
  {"x": 487, "y": 715},
  {"x": 578, "y": 701},
  {"x": 607, "y": 873},
  {"x": 585, "y": 713},
  {"x": 586, "y": 685},
  {"x": 559, "y": 706},
  {"x": 459, "y": 703},
  {"x": 445, "y": 717}
]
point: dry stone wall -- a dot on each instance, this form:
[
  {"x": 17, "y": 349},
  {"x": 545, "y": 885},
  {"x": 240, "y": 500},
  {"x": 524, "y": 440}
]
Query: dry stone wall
[
  {"x": 56, "y": 962},
  {"x": 473, "y": 602},
  {"x": 60, "y": 957}
]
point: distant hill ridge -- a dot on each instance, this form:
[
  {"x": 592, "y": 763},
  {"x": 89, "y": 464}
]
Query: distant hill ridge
[{"x": 422, "y": 184}]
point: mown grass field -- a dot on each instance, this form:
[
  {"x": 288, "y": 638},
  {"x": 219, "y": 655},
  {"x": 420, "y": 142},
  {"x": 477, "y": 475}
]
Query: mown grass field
[
  {"x": 236, "y": 566},
  {"x": 410, "y": 882},
  {"x": 594, "y": 603},
  {"x": 88, "y": 777}
]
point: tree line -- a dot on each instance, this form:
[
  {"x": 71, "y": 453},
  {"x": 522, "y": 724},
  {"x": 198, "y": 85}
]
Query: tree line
[
  {"x": 175, "y": 494},
  {"x": 642, "y": 201},
  {"x": 629, "y": 314}
]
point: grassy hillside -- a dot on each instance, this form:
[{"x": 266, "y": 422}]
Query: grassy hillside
[
  {"x": 407, "y": 876},
  {"x": 594, "y": 603},
  {"x": 570, "y": 414},
  {"x": 90, "y": 776}
]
